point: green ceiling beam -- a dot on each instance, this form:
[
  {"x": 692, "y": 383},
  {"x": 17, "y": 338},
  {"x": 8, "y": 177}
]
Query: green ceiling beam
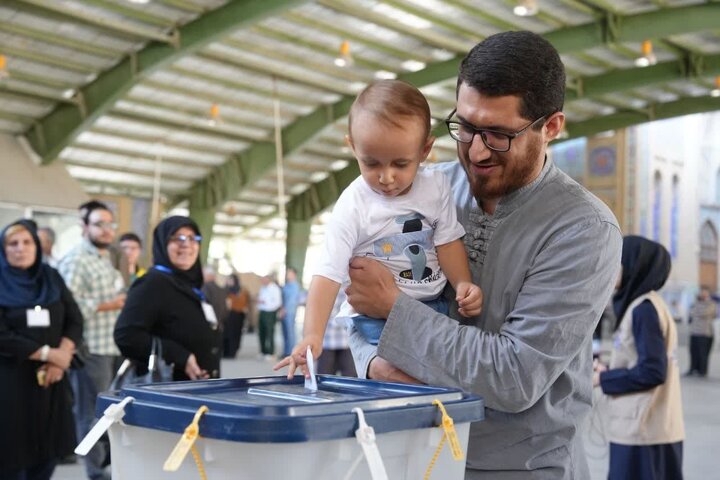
[
  {"x": 628, "y": 79},
  {"x": 220, "y": 187},
  {"x": 61, "y": 127},
  {"x": 636, "y": 28},
  {"x": 228, "y": 180},
  {"x": 566, "y": 40},
  {"x": 321, "y": 195},
  {"x": 658, "y": 111}
]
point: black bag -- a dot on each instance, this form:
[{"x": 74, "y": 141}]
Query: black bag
[
  {"x": 82, "y": 353},
  {"x": 157, "y": 369}
]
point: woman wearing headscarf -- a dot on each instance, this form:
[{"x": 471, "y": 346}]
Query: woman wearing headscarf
[
  {"x": 642, "y": 385},
  {"x": 168, "y": 303},
  {"x": 40, "y": 324}
]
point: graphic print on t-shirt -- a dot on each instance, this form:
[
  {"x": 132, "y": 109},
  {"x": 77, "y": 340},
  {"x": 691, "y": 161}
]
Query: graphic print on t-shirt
[{"x": 411, "y": 243}]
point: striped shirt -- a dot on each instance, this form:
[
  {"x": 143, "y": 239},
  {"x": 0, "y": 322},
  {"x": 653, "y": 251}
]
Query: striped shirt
[
  {"x": 93, "y": 280},
  {"x": 336, "y": 333}
]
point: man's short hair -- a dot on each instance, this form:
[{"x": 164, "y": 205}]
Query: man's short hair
[
  {"x": 391, "y": 102},
  {"x": 130, "y": 236},
  {"x": 517, "y": 63},
  {"x": 49, "y": 232},
  {"x": 88, "y": 207}
]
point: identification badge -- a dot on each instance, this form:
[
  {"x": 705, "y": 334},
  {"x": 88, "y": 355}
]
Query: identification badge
[
  {"x": 209, "y": 312},
  {"x": 38, "y": 317}
]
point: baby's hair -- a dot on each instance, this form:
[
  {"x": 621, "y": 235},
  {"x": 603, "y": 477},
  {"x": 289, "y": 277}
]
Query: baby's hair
[{"x": 389, "y": 101}]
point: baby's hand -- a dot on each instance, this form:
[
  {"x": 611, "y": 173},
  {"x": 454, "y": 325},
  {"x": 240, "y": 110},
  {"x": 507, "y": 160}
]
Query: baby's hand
[
  {"x": 469, "y": 298},
  {"x": 298, "y": 356}
]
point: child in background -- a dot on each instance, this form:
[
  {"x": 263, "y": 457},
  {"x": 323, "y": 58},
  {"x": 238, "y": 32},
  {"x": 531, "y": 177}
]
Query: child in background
[{"x": 396, "y": 212}]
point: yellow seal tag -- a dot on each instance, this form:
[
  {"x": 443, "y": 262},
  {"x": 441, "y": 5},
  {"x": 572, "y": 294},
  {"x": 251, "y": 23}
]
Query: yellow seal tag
[
  {"x": 449, "y": 428},
  {"x": 192, "y": 432}
]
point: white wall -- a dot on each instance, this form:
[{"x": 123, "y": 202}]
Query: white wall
[
  {"x": 689, "y": 148},
  {"x": 23, "y": 182}
]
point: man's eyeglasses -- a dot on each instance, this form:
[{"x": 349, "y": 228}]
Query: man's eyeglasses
[
  {"x": 105, "y": 225},
  {"x": 191, "y": 239},
  {"x": 493, "y": 139}
]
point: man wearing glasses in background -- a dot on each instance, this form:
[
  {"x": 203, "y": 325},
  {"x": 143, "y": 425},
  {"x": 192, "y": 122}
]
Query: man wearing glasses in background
[
  {"x": 543, "y": 249},
  {"x": 98, "y": 290}
]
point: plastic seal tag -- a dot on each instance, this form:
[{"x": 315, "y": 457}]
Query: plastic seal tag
[
  {"x": 113, "y": 413},
  {"x": 192, "y": 432},
  {"x": 365, "y": 435},
  {"x": 311, "y": 383},
  {"x": 449, "y": 428}
]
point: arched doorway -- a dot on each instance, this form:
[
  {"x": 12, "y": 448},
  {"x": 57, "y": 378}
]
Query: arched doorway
[{"x": 709, "y": 256}]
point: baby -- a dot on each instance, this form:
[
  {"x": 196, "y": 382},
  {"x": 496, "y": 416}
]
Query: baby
[{"x": 396, "y": 212}]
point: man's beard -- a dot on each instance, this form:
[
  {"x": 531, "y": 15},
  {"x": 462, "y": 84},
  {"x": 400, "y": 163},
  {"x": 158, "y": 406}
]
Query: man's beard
[
  {"x": 521, "y": 174},
  {"x": 98, "y": 244}
]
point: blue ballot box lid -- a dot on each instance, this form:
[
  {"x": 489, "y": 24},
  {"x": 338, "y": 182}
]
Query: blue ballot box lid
[{"x": 275, "y": 409}]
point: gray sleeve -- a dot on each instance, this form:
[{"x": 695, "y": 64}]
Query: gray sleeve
[
  {"x": 362, "y": 351},
  {"x": 564, "y": 293}
]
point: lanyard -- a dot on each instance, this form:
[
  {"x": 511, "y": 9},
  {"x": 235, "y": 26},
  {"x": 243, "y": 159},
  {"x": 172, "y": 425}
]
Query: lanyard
[{"x": 168, "y": 271}]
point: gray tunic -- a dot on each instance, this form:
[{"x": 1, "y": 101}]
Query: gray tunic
[{"x": 547, "y": 262}]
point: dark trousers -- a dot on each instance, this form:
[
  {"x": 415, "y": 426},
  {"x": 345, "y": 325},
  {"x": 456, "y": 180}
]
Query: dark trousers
[
  {"x": 332, "y": 362},
  {"x": 266, "y": 329},
  {"x": 87, "y": 382},
  {"x": 646, "y": 462},
  {"x": 41, "y": 471},
  {"x": 232, "y": 335},
  {"x": 700, "y": 346}
]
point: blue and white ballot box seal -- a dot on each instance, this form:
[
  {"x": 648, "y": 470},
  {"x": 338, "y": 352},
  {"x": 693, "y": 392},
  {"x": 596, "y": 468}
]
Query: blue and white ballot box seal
[{"x": 275, "y": 428}]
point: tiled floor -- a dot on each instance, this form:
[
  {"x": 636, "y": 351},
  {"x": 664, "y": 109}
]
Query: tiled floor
[{"x": 701, "y": 398}]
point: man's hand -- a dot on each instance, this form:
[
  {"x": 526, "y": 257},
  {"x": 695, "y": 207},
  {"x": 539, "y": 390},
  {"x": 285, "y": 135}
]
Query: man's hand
[
  {"x": 372, "y": 289},
  {"x": 193, "y": 370},
  {"x": 116, "y": 303},
  {"x": 381, "y": 369},
  {"x": 469, "y": 298},
  {"x": 298, "y": 357}
]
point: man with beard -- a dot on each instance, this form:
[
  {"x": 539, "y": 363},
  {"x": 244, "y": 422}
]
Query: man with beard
[
  {"x": 545, "y": 252},
  {"x": 98, "y": 290}
]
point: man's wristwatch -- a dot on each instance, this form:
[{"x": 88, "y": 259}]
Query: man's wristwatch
[{"x": 44, "y": 352}]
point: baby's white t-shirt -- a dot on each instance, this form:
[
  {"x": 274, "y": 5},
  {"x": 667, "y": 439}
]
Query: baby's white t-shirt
[{"x": 402, "y": 232}]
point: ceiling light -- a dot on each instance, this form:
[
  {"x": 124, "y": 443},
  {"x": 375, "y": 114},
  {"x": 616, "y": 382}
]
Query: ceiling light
[
  {"x": 648, "y": 57},
  {"x": 318, "y": 176},
  {"x": 715, "y": 92},
  {"x": 385, "y": 75},
  {"x": 298, "y": 188},
  {"x": 214, "y": 116},
  {"x": 344, "y": 58},
  {"x": 69, "y": 93},
  {"x": 338, "y": 165},
  {"x": 4, "y": 73},
  {"x": 402, "y": 16},
  {"x": 141, "y": 2},
  {"x": 526, "y": 8},
  {"x": 357, "y": 86},
  {"x": 412, "y": 65}
]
